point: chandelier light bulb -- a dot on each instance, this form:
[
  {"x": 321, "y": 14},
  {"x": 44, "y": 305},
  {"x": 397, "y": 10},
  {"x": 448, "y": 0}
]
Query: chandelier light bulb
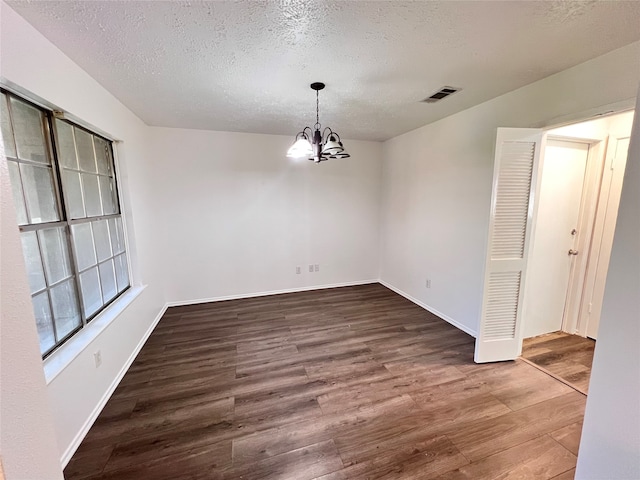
[{"x": 300, "y": 149}]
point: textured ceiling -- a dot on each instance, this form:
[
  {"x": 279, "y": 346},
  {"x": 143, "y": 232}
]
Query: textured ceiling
[{"x": 247, "y": 65}]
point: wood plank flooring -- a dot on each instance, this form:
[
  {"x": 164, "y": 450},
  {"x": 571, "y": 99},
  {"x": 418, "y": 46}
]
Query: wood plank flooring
[
  {"x": 346, "y": 383},
  {"x": 568, "y": 356}
]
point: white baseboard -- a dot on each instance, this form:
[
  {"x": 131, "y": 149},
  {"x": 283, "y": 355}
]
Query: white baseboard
[
  {"x": 77, "y": 440},
  {"x": 271, "y": 292},
  {"x": 446, "y": 318}
]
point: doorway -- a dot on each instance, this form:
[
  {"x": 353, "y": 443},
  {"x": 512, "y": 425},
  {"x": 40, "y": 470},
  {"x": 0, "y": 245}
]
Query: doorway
[
  {"x": 555, "y": 237},
  {"x": 578, "y": 195},
  {"x": 517, "y": 182}
]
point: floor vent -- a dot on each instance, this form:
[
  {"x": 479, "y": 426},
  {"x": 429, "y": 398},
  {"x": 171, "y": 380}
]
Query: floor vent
[{"x": 444, "y": 92}]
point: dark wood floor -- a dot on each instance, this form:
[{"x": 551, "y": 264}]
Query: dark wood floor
[
  {"x": 568, "y": 356},
  {"x": 348, "y": 383}
]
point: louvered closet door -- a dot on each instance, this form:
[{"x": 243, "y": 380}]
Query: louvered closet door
[{"x": 515, "y": 183}]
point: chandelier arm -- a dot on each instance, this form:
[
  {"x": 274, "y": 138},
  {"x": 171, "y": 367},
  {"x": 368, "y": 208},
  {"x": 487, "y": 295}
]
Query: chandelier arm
[
  {"x": 325, "y": 136},
  {"x": 308, "y": 135}
]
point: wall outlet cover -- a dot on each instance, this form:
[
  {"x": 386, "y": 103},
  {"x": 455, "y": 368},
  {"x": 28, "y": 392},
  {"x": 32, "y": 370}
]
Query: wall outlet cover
[{"x": 97, "y": 357}]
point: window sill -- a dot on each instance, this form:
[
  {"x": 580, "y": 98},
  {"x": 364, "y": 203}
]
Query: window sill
[{"x": 59, "y": 360}]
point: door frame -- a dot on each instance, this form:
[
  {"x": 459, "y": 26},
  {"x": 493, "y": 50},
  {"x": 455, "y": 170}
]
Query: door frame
[
  {"x": 605, "y": 219},
  {"x": 586, "y": 216},
  {"x": 586, "y": 222},
  {"x": 591, "y": 220}
]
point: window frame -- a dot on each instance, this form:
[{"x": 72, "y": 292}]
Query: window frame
[{"x": 51, "y": 139}]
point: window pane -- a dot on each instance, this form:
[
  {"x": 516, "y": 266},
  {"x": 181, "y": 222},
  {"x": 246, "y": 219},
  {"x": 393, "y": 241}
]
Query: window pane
[
  {"x": 91, "y": 194},
  {"x": 73, "y": 194},
  {"x": 65, "y": 308},
  {"x": 101, "y": 237},
  {"x": 55, "y": 254},
  {"x": 28, "y": 127},
  {"x": 83, "y": 244},
  {"x": 91, "y": 296},
  {"x": 16, "y": 188},
  {"x": 108, "y": 197},
  {"x": 44, "y": 323},
  {"x": 117, "y": 235},
  {"x": 7, "y": 129},
  {"x": 84, "y": 146},
  {"x": 38, "y": 189},
  {"x": 108, "y": 280},
  {"x": 103, "y": 158},
  {"x": 66, "y": 145},
  {"x": 122, "y": 274},
  {"x": 32, "y": 259}
]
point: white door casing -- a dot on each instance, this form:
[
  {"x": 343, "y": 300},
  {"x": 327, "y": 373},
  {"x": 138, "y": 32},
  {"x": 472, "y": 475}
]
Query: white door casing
[
  {"x": 593, "y": 293},
  {"x": 519, "y": 152}
]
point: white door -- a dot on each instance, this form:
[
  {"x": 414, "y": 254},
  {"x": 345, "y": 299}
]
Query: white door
[
  {"x": 596, "y": 278},
  {"x": 550, "y": 263},
  {"x": 513, "y": 205}
]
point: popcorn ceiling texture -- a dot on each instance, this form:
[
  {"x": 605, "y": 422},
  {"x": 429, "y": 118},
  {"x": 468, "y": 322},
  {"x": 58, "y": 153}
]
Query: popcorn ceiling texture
[{"x": 247, "y": 65}]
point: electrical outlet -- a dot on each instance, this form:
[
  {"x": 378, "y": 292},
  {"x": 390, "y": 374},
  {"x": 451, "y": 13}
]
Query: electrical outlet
[
  {"x": 97, "y": 357},
  {"x": 311, "y": 268},
  {"x": 316, "y": 267},
  {"x": 298, "y": 270},
  {"x": 428, "y": 283}
]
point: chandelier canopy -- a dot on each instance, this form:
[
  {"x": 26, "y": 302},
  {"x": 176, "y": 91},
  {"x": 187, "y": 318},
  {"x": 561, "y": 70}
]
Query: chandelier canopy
[{"x": 318, "y": 146}]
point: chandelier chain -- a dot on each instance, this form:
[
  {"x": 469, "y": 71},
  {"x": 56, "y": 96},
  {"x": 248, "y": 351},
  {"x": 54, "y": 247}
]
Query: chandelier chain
[{"x": 317, "y": 125}]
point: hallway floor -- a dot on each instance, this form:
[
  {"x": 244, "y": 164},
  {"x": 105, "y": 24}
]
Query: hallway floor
[{"x": 567, "y": 356}]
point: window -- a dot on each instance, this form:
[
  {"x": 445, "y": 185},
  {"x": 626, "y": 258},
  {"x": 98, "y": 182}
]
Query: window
[{"x": 64, "y": 189}]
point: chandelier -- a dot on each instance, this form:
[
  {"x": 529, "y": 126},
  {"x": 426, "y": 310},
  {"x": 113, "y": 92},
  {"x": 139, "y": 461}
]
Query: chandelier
[{"x": 315, "y": 145}]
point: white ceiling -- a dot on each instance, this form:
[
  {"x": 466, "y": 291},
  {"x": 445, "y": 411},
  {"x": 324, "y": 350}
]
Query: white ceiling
[{"x": 247, "y": 65}]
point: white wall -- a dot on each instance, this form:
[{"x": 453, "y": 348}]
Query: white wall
[
  {"x": 31, "y": 62},
  {"x": 610, "y": 445},
  {"x": 27, "y": 442},
  {"x": 437, "y": 182},
  {"x": 242, "y": 216}
]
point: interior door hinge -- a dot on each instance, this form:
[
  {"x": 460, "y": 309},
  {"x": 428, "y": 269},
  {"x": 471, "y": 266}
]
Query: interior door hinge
[{"x": 590, "y": 305}]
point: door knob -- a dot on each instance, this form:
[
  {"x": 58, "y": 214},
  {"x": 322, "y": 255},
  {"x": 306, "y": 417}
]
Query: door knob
[{"x": 573, "y": 252}]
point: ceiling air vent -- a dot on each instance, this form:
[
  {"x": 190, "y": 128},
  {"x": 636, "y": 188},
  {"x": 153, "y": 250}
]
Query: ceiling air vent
[{"x": 444, "y": 92}]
